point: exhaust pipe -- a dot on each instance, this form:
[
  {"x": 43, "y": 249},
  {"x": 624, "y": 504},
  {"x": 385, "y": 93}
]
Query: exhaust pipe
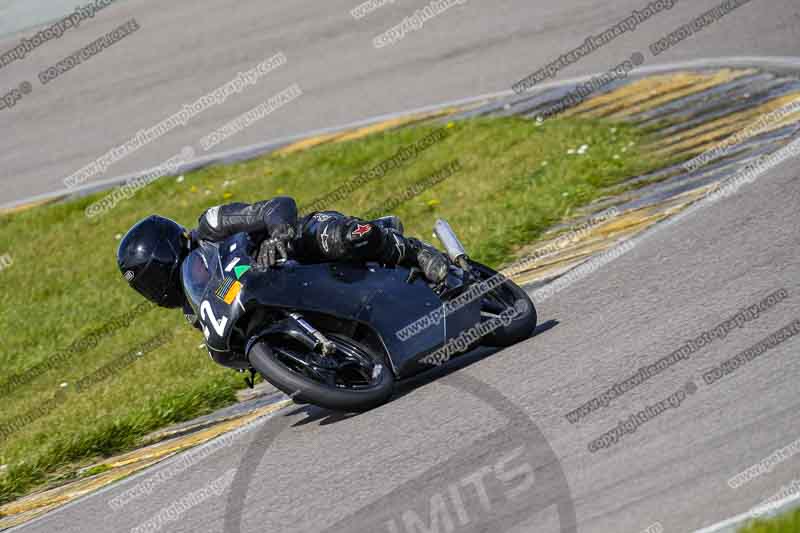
[{"x": 455, "y": 250}]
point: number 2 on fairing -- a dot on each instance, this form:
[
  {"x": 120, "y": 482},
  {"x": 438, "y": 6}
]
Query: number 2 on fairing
[{"x": 218, "y": 325}]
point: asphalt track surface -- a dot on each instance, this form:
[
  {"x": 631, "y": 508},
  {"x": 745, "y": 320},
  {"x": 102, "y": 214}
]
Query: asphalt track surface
[
  {"x": 458, "y": 447},
  {"x": 185, "y": 49},
  {"x": 309, "y": 470}
]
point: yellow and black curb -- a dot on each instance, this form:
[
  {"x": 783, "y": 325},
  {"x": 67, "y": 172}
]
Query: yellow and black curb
[
  {"x": 167, "y": 443},
  {"x": 688, "y": 113}
]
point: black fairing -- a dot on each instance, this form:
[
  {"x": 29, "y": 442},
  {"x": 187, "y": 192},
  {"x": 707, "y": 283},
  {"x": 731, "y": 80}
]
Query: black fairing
[{"x": 368, "y": 294}]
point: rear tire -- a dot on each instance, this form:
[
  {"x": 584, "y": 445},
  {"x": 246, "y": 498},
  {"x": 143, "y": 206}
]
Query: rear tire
[
  {"x": 265, "y": 361},
  {"x": 523, "y": 325}
]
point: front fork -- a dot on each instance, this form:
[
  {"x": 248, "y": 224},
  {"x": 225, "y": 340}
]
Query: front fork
[
  {"x": 322, "y": 342},
  {"x": 297, "y": 328}
]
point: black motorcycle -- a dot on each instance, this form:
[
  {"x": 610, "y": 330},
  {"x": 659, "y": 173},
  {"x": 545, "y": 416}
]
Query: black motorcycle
[{"x": 337, "y": 334}]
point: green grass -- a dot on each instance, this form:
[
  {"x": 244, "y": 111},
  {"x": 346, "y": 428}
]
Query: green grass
[
  {"x": 516, "y": 180},
  {"x": 789, "y": 523},
  {"x": 95, "y": 470}
]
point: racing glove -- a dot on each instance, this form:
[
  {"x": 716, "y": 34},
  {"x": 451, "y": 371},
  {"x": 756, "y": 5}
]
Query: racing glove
[{"x": 275, "y": 247}]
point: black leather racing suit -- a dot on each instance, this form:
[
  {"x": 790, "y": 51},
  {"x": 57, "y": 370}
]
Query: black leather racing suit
[{"x": 317, "y": 237}]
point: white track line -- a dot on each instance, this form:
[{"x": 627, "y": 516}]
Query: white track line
[{"x": 739, "y": 520}]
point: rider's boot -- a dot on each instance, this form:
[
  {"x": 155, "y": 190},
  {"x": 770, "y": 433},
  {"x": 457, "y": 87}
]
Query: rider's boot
[{"x": 430, "y": 261}]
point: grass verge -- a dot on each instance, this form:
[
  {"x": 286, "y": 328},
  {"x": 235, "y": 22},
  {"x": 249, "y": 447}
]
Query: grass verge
[
  {"x": 788, "y": 523},
  {"x": 512, "y": 180}
]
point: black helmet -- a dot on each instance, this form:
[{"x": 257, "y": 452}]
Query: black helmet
[{"x": 150, "y": 256}]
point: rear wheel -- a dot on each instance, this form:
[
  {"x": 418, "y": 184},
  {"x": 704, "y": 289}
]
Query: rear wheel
[
  {"x": 502, "y": 299},
  {"x": 353, "y": 378}
]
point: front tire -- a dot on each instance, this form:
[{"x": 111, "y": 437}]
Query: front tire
[
  {"x": 506, "y": 295},
  {"x": 271, "y": 363}
]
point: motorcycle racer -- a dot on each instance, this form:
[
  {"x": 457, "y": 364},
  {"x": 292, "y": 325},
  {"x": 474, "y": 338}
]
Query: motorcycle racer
[{"x": 152, "y": 251}]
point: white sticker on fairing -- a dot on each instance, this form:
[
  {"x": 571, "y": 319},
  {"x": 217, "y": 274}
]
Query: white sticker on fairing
[
  {"x": 212, "y": 217},
  {"x": 218, "y": 325},
  {"x": 232, "y": 264}
]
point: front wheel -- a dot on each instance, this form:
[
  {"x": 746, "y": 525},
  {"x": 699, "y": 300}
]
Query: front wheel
[
  {"x": 354, "y": 378},
  {"x": 504, "y": 298}
]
